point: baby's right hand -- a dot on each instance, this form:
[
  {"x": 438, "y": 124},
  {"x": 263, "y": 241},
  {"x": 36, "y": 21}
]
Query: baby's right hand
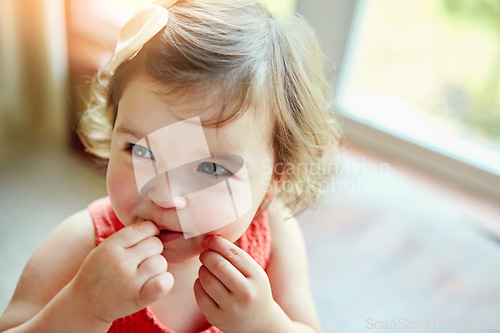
[{"x": 124, "y": 274}]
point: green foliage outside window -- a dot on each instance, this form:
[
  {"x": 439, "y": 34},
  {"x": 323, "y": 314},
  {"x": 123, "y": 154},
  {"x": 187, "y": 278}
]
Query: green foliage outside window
[{"x": 483, "y": 98}]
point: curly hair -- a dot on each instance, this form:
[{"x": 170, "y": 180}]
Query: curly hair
[{"x": 251, "y": 58}]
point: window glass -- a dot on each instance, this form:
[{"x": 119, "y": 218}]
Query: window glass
[{"x": 428, "y": 71}]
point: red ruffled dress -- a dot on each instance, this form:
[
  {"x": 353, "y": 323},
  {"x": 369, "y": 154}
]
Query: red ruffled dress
[{"x": 256, "y": 241}]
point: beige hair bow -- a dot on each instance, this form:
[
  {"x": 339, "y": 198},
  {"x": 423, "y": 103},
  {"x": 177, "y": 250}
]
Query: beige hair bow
[{"x": 138, "y": 30}]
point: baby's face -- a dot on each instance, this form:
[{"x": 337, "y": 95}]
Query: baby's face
[{"x": 190, "y": 180}]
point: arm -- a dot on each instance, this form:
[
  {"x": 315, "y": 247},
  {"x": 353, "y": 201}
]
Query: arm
[
  {"x": 50, "y": 269},
  {"x": 71, "y": 285},
  {"x": 237, "y": 295},
  {"x": 288, "y": 271}
]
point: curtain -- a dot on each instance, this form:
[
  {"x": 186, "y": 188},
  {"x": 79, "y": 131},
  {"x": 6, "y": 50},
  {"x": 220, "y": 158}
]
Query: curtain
[{"x": 33, "y": 74}]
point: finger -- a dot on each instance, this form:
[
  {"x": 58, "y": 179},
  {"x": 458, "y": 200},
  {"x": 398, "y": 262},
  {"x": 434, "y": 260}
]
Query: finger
[
  {"x": 145, "y": 249},
  {"x": 155, "y": 288},
  {"x": 223, "y": 270},
  {"x": 206, "y": 304},
  {"x": 212, "y": 286},
  {"x": 152, "y": 266},
  {"x": 236, "y": 256},
  {"x": 131, "y": 235}
]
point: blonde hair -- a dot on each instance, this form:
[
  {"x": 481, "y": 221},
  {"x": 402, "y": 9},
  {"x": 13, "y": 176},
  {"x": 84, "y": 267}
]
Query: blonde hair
[{"x": 253, "y": 58}]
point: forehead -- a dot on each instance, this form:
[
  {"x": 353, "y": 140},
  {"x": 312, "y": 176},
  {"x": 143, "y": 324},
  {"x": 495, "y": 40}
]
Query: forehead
[{"x": 147, "y": 106}]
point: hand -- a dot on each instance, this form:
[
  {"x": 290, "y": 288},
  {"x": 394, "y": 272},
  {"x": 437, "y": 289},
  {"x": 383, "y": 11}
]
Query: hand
[
  {"x": 233, "y": 290},
  {"x": 124, "y": 274}
]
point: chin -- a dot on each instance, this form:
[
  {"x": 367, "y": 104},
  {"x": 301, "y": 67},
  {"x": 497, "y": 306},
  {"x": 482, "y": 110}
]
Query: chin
[{"x": 179, "y": 253}]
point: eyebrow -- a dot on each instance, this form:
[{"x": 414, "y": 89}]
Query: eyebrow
[
  {"x": 125, "y": 130},
  {"x": 218, "y": 150}
]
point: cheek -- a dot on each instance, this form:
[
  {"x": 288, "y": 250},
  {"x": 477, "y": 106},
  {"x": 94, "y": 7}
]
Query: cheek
[
  {"x": 122, "y": 189},
  {"x": 207, "y": 210}
]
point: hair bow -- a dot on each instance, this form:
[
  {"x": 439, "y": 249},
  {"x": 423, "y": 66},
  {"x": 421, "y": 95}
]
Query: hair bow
[{"x": 138, "y": 30}]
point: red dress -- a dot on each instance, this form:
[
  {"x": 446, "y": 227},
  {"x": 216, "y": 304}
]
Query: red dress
[{"x": 256, "y": 241}]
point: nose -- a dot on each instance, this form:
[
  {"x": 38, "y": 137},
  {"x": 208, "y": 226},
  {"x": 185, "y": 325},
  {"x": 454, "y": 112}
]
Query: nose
[
  {"x": 158, "y": 191},
  {"x": 177, "y": 203}
]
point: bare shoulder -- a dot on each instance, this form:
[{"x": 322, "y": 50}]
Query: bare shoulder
[
  {"x": 288, "y": 269},
  {"x": 50, "y": 268}
]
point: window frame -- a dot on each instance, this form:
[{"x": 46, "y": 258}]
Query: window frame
[{"x": 338, "y": 26}]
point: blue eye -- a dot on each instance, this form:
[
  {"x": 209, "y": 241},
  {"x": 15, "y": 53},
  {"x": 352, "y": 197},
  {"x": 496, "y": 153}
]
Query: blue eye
[
  {"x": 140, "y": 151},
  {"x": 214, "y": 169}
]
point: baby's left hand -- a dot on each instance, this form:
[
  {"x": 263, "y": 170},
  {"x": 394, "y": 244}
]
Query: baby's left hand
[{"x": 233, "y": 290}]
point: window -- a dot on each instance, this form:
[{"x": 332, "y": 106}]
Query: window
[
  {"x": 414, "y": 81},
  {"x": 427, "y": 71}
]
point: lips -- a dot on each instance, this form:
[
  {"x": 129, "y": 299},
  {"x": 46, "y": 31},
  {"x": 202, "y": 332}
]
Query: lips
[
  {"x": 161, "y": 227},
  {"x": 166, "y": 236},
  {"x": 165, "y": 229}
]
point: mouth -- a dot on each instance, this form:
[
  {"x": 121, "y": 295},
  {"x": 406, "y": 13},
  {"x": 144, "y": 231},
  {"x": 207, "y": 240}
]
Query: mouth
[{"x": 167, "y": 235}]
